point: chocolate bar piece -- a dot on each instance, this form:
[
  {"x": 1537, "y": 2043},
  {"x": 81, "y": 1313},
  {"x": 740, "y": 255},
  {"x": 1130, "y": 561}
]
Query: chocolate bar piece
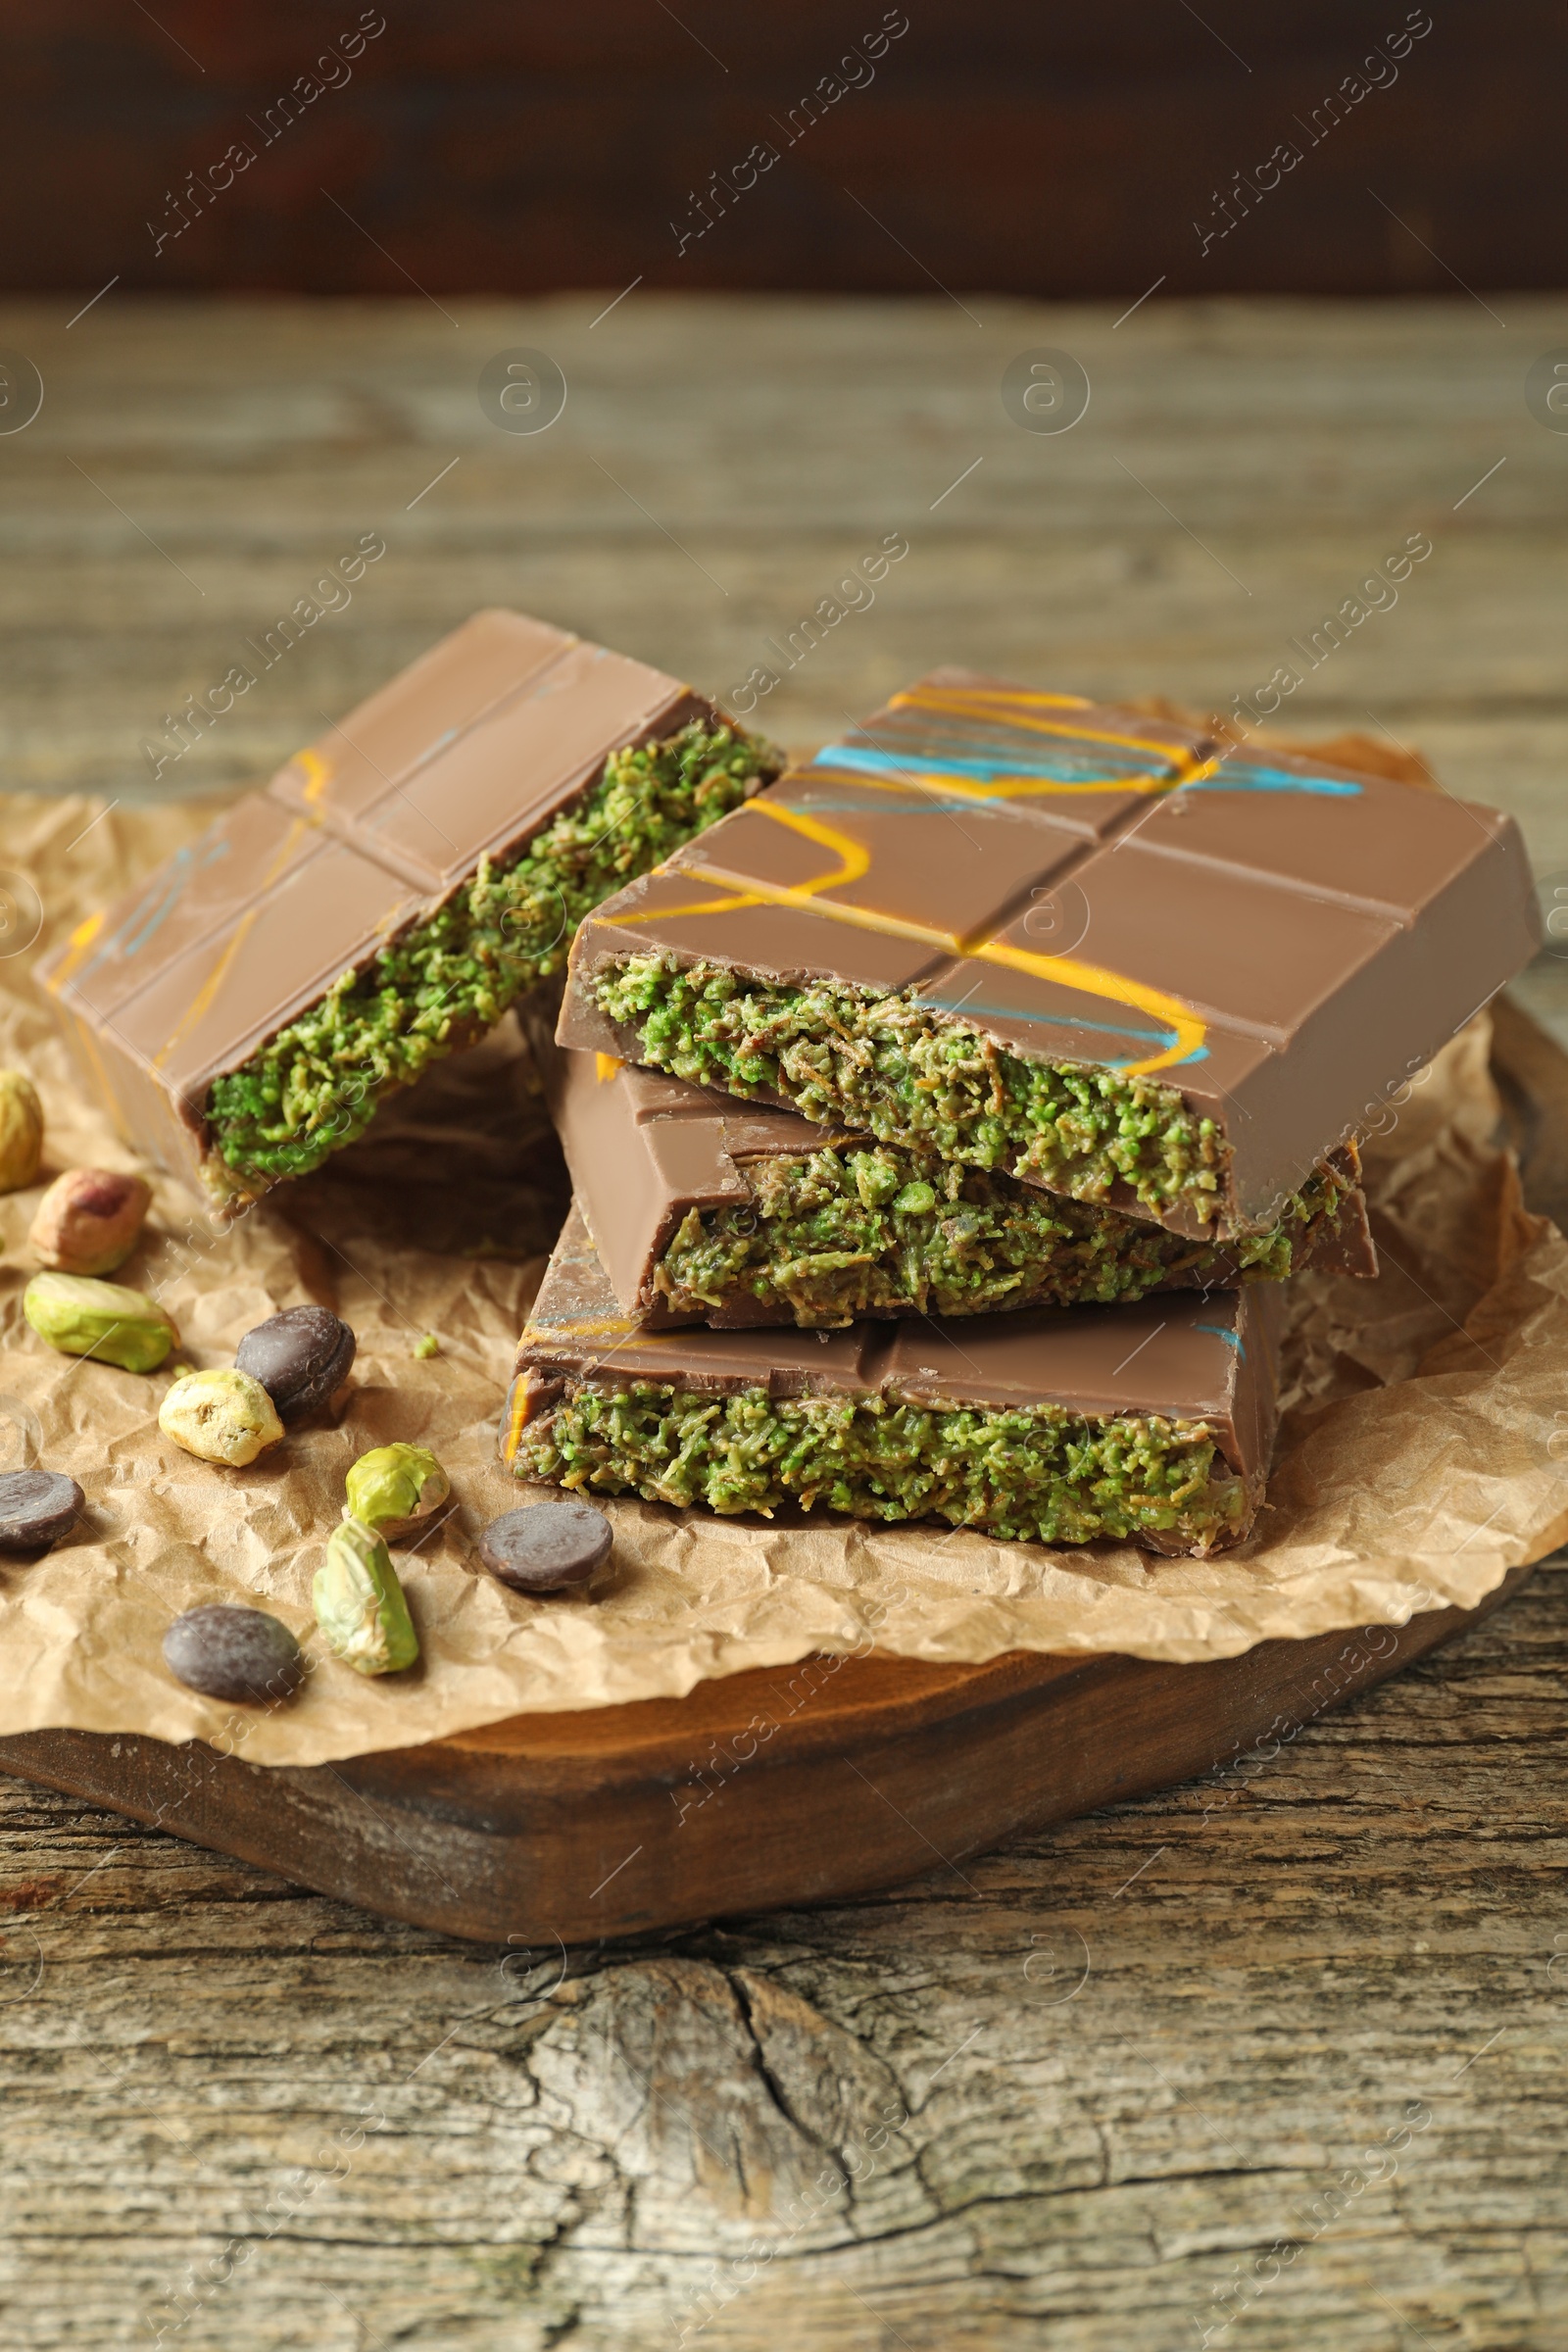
[
  {"x": 708, "y": 1209},
  {"x": 1093, "y": 950},
  {"x": 386, "y": 896},
  {"x": 1151, "y": 1423}
]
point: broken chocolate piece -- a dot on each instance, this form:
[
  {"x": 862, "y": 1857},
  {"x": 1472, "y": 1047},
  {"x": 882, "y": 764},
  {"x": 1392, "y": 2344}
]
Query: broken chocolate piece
[
  {"x": 1091, "y": 949},
  {"x": 1152, "y": 1424},
  {"x": 393, "y": 888},
  {"x": 708, "y": 1209}
]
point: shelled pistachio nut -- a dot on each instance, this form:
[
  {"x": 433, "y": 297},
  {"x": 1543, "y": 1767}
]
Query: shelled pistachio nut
[
  {"x": 20, "y": 1131},
  {"x": 101, "y": 1319},
  {"x": 396, "y": 1488},
  {"x": 358, "y": 1603},
  {"x": 220, "y": 1416},
  {"x": 89, "y": 1220}
]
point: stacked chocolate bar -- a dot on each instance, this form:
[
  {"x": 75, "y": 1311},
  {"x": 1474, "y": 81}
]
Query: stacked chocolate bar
[
  {"x": 944, "y": 1117},
  {"x": 944, "y": 1121}
]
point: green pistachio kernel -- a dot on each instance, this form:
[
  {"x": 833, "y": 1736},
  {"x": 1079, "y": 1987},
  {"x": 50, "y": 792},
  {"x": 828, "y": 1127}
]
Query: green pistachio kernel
[
  {"x": 877, "y": 1179},
  {"x": 220, "y": 1416},
  {"x": 81, "y": 1316},
  {"x": 427, "y": 1346},
  {"x": 915, "y": 1200},
  {"x": 360, "y": 1604},
  {"x": 1033, "y": 1474},
  {"x": 812, "y": 1246},
  {"x": 317, "y": 1083},
  {"x": 890, "y": 1067},
  {"x": 20, "y": 1131},
  {"x": 396, "y": 1487}
]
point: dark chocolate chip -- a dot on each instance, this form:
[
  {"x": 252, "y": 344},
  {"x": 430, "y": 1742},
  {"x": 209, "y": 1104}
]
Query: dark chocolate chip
[
  {"x": 547, "y": 1548},
  {"x": 36, "y": 1508},
  {"x": 234, "y": 1654},
  {"x": 301, "y": 1357}
]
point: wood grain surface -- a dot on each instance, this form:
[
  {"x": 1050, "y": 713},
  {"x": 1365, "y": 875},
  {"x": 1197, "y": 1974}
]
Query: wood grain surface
[
  {"x": 1284, "y": 2049},
  {"x": 785, "y": 1786},
  {"x": 1052, "y": 151},
  {"x": 1135, "y": 2054}
]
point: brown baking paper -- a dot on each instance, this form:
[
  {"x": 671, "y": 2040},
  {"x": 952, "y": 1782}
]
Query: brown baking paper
[{"x": 1418, "y": 1461}]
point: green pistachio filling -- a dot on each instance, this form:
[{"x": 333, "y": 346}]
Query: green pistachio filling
[
  {"x": 841, "y": 1233},
  {"x": 891, "y": 1067},
  {"x": 1036, "y": 1474},
  {"x": 441, "y": 982}
]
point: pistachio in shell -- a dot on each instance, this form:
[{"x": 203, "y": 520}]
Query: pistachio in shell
[
  {"x": 395, "y": 1489},
  {"x": 360, "y": 1605}
]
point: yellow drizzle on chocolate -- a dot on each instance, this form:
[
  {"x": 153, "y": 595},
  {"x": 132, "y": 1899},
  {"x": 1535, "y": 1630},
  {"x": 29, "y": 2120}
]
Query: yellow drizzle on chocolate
[{"x": 1068, "y": 972}]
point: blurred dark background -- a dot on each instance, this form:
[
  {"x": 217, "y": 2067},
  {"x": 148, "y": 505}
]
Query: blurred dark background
[{"x": 481, "y": 146}]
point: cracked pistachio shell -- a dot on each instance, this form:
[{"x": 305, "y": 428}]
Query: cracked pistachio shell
[
  {"x": 20, "y": 1131},
  {"x": 358, "y": 1603},
  {"x": 396, "y": 1488},
  {"x": 221, "y": 1417},
  {"x": 101, "y": 1319}
]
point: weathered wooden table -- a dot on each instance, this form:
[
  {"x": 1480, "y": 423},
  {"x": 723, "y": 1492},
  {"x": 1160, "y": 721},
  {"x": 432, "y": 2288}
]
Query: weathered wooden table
[{"x": 1274, "y": 2060}]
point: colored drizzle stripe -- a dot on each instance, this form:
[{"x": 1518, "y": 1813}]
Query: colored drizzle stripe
[
  {"x": 316, "y": 772},
  {"x": 147, "y": 919},
  {"x": 58, "y": 985},
  {"x": 1230, "y": 1338},
  {"x": 1005, "y": 778},
  {"x": 157, "y": 901},
  {"x": 1011, "y": 707},
  {"x": 517, "y": 1408},
  {"x": 202, "y": 1003},
  {"x": 1010, "y": 697},
  {"x": 541, "y": 1335},
  {"x": 977, "y": 779},
  {"x": 964, "y": 706},
  {"x": 1247, "y": 775},
  {"x": 81, "y": 940},
  {"x": 579, "y": 1327},
  {"x": 1187, "y": 1031},
  {"x": 631, "y": 1335},
  {"x": 998, "y": 1011}
]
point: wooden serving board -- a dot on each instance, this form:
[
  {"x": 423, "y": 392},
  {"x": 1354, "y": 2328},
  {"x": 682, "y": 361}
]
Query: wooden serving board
[{"x": 780, "y": 1787}]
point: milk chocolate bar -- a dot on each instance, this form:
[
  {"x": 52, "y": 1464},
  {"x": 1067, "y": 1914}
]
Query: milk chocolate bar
[
  {"x": 387, "y": 895},
  {"x": 708, "y": 1210},
  {"x": 1152, "y": 1424},
  {"x": 1094, "y": 950}
]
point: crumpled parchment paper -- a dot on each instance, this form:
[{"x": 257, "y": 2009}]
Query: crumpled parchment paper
[{"x": 1421, "y": 1459}]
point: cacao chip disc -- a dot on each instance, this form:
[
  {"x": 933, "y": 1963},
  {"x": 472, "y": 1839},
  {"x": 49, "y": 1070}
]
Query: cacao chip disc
[
  {"x": 36, "y": 1508},
  {"x": 301, "y": 1357},
  {"x": 547, "y": 1547},
  {"x": 230, "y": 1652}
]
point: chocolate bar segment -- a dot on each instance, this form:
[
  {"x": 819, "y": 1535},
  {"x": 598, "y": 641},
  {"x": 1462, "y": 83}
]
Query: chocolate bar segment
[
  {"x": 393, "y": 889},
  {"x": 1098, "y": 953},
  {"x": 708, "y": 1210},
  {"x": 1151, "y": 1423}
]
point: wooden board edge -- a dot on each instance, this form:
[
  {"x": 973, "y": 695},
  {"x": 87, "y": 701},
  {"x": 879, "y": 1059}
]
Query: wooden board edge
[{"x": 502, "y": 1859}]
